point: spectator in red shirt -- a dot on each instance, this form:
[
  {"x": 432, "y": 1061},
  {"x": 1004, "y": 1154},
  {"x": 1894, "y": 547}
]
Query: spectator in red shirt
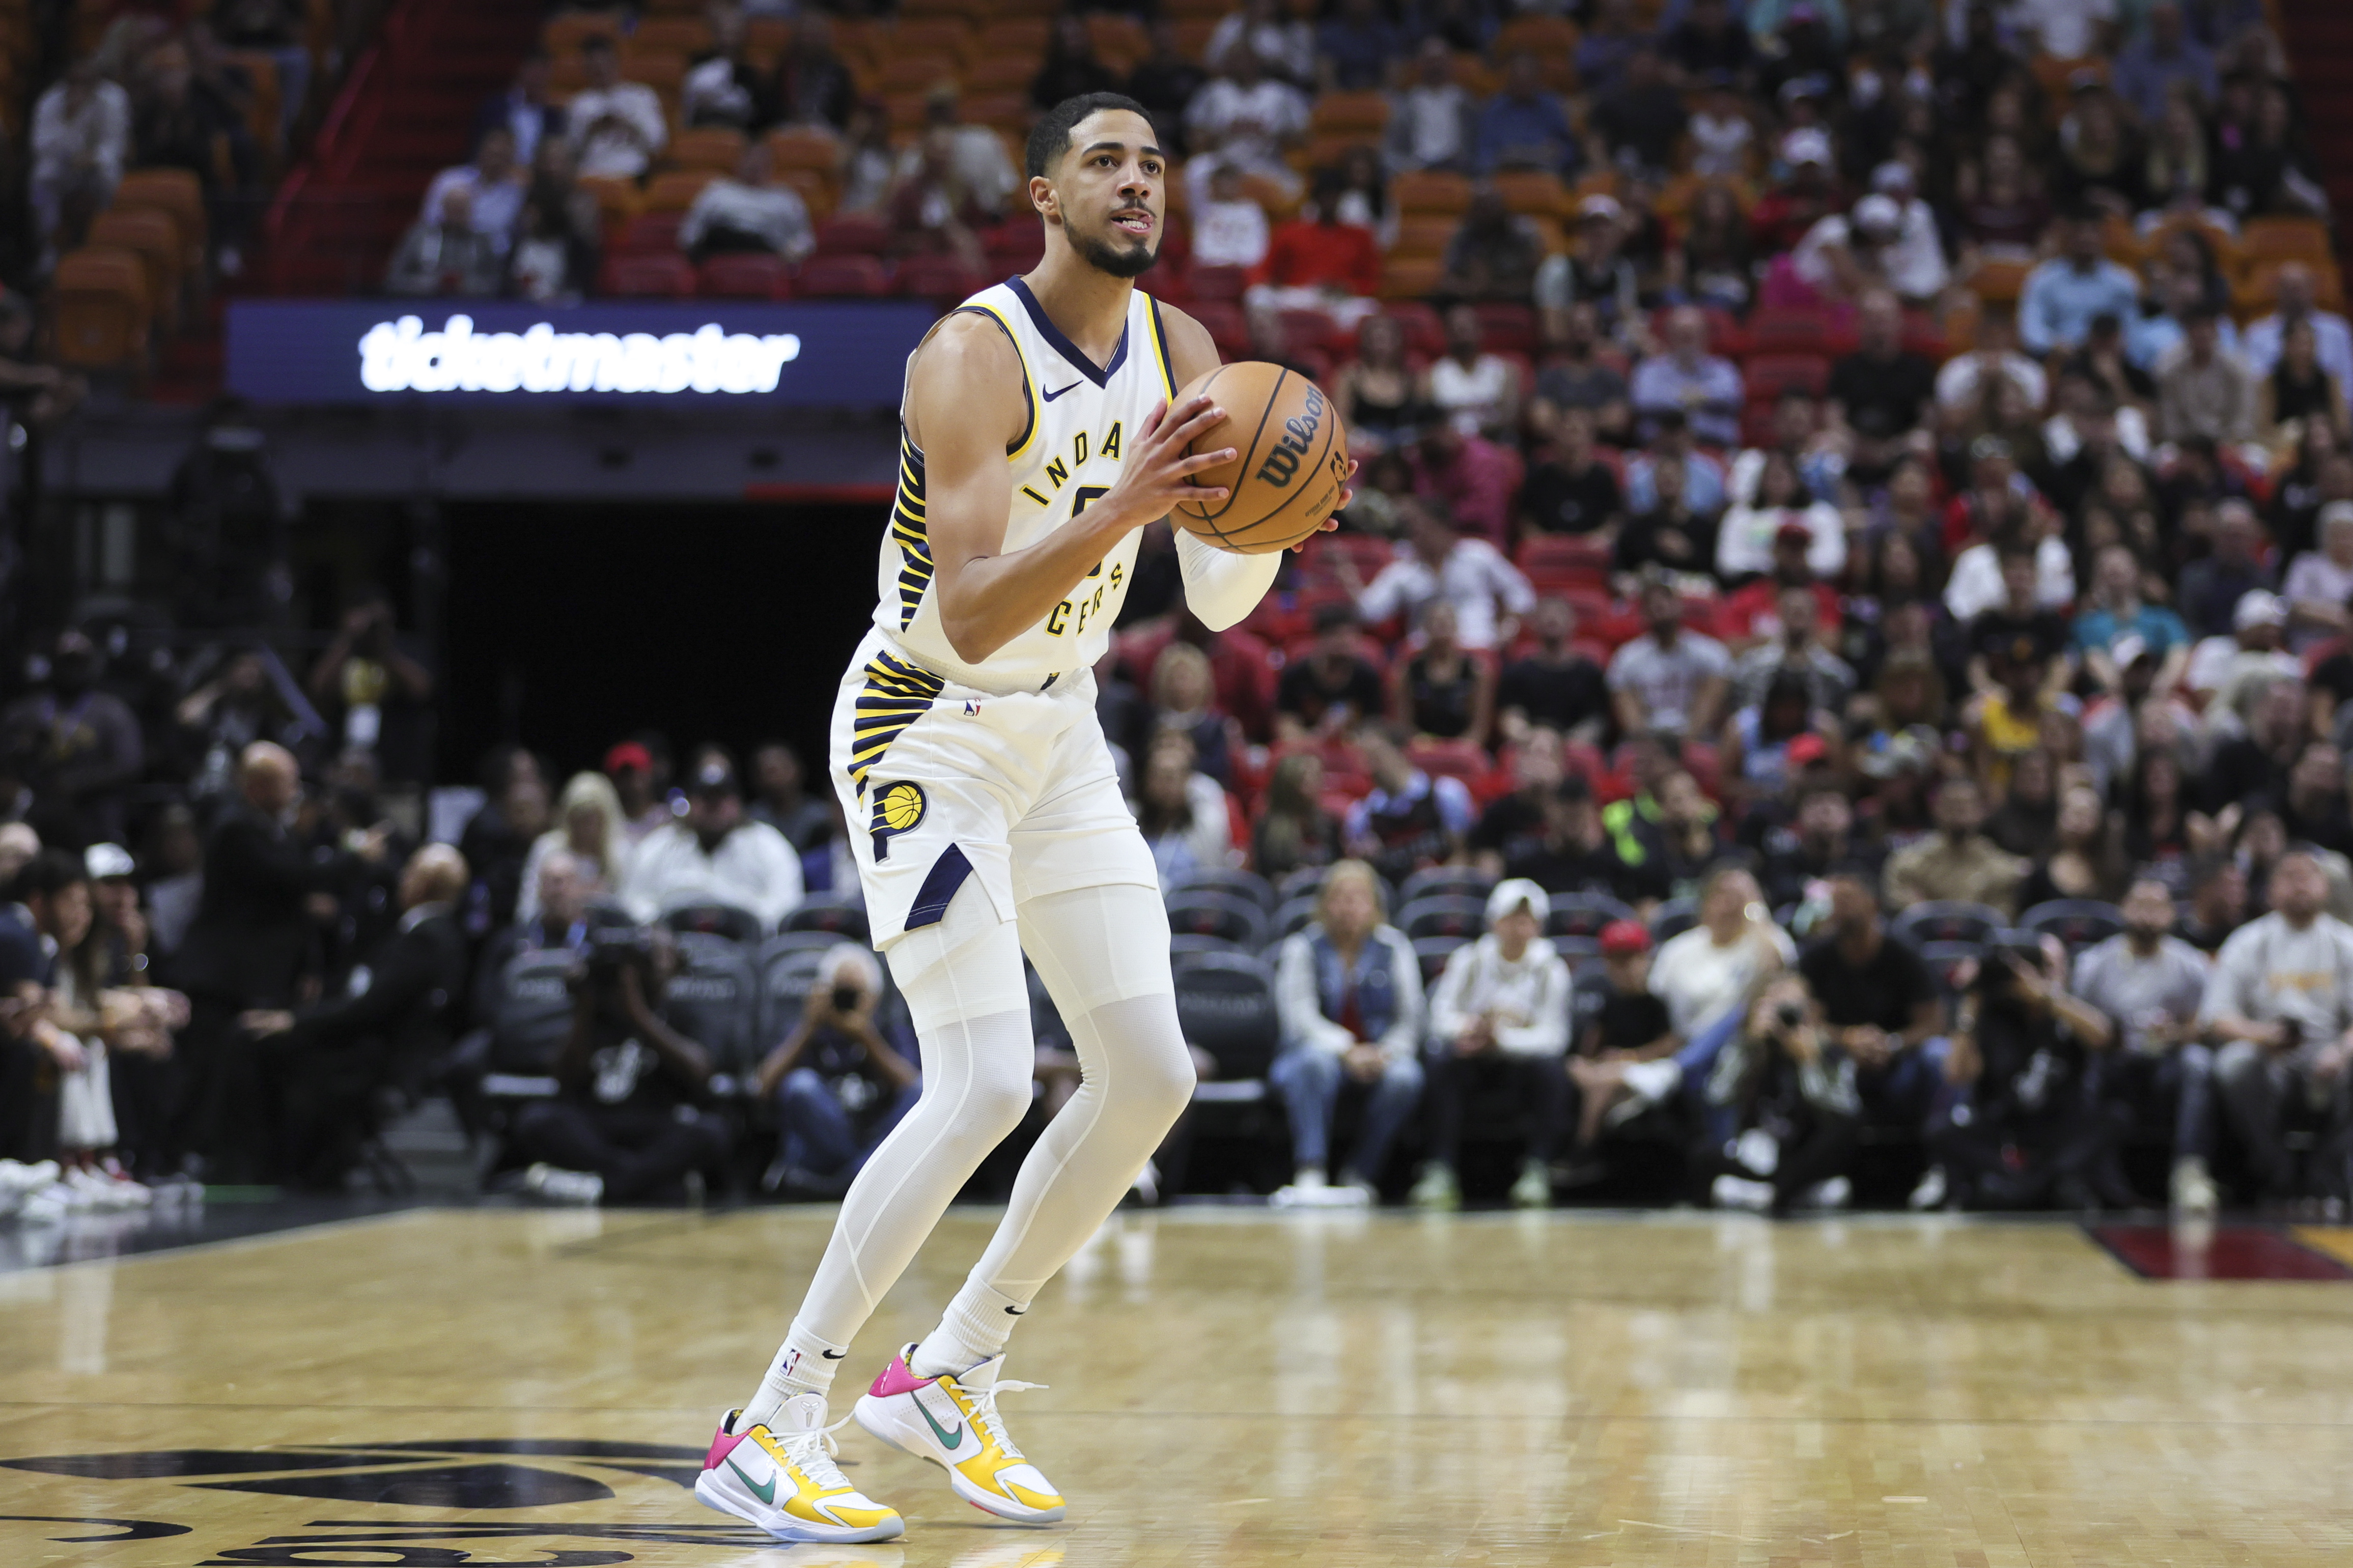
[
  {"x": 1315, "y": 262},
  {"x": 1475, "y": 478},
  {"x": 1751, "y": 615}
]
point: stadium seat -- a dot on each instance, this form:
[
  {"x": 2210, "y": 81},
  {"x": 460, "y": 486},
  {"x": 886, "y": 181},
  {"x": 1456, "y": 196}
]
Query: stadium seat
[
  {"x": 650, "y": 234},
  {"x": 1221, "y": 284},
  {"x": 745, "y": 275},
  {"x": 1231, "y": 879},
  {"x": 842, "y": 277},
  {"x": 1186, "y": 946},
  {"x": 1361, "y": 115},
  {"x": 617, "y": 200},
  {"x": 1464, "y": 760},
  {"x": 173, "y": 191},
  {"x": 712, "y": 149},
  {"x": 1507, "y": 329},
  {"x": 1295, "y": 913},
  {"x": 650, "y": 276},
  {"x": 1424, "y": 332},
  {"x": 1016, "y": 36},
  {"x": 804, "y": 147},
  {"x": 103, "y": 310},
  {"x": 1672, "y": 919},
  {"x": 1410, "y": 277},
  {"x": 1431, "y": 953},
  {"x": 1459, "y": 882},
  {"x": 153, "y": 237},
  {"x": 1583, "y": 915},
  {"x": 1945, "y": 959},
  {"x": 567, "y": 30},
  {"x": 533, "y": 1012},
  {"x": 1425, "y": 236},
  {"x": 674, "y": 192},
  {"x": 852, "y": 234},
  {"x": 1443, "y": 914},
  {"x": 1227, "y": 326},
  {"x": 1769, "y": 376},
  {"x": 1430, "y": 191},
  {"x": 687, "y": 36},
  {"x": 713, "y": 997},
  {"x": 727, "y": 922},
  {"x": 787, "y": 973},
  {"x": 1225, "y": 1006},
  {"x": 2078, "y": 922},
  {"x": 836, "y": 913},
  {"x": 1531, "y": 191},
  {"x": 942, "y": 279},
  {"x": 1214, "y": 911},
  {"x": 1945, "y": 920}
]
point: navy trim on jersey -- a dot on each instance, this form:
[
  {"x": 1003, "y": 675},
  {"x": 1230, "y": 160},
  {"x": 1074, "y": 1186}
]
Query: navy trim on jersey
[
  {"x": 1064, "y": 345},
  {"x": 1028, "y": 399}
]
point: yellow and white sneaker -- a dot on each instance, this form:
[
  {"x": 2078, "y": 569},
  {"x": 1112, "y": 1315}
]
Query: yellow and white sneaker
[
  {"x": 784, "y": 1480},
  {"x": 953, "y": 1421}
]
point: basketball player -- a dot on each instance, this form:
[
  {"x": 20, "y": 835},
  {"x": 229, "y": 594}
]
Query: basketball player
[{"x": 1038, "y": 439}]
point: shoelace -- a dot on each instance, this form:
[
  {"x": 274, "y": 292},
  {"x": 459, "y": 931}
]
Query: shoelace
[
  {"x": 983, "y": 1411},
  {"x": 812, "y": 1453}
]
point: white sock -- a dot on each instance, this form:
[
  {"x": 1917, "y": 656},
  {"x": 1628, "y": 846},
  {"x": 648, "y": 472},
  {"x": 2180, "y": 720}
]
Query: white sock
[
  {"x": 803, "y": 1364},
  {"x": 973, "y": 1328}
]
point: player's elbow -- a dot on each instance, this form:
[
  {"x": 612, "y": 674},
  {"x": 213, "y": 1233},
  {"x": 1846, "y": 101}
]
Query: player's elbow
[{"x": 968, "y": 638}]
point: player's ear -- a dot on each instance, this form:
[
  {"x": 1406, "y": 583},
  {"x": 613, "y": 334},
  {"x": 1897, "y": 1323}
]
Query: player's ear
[{"x": 1042, "y": 197}]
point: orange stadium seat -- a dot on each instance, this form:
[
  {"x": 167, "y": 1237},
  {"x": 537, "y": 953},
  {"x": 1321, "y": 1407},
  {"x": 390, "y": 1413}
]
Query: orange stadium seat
[
  {"x": 103, "y": 313},
  {"x": 714, "y": 148},
  {"x": 650, "y": 276},
  {"x": 155, "y": 238}
]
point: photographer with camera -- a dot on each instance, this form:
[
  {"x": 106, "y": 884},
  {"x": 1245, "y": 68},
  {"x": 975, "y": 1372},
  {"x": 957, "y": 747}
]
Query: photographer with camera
[
  {"x": 1781, "y": 1113},
  {"x": 2030, "y": 1127},
  {"x": 373, "y": 687},
  {"x": 624, "y": 1124},
  {"x": 840, "y": 1082},
  {"x": 2281, "y": 1002}
]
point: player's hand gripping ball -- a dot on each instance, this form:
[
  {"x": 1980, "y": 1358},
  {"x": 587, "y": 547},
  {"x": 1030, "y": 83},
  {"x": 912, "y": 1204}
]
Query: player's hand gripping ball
[{"x": 1292, "y": 466}]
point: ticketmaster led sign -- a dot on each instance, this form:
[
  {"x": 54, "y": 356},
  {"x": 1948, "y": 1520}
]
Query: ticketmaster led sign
[
  {"x": 496, "y": 352},
  {"x": 402, "y": 356}
]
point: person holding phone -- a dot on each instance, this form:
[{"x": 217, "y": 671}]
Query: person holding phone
[{"x": 840, "y": 1081}]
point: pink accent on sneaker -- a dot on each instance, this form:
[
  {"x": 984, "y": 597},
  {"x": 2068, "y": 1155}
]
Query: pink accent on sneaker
[
  {"x": 899, "y": 1377},
  {"x": 722, "y": 1444}
]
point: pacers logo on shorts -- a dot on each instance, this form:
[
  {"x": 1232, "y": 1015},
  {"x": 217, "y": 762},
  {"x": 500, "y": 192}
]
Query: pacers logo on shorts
[{"x": 898, "y": 808}]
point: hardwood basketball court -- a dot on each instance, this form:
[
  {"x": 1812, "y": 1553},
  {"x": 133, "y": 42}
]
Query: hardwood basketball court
[{"x": 498, "y": 1386}]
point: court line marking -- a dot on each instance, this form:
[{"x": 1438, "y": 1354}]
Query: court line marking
[{"x": 308, "y": 1229}]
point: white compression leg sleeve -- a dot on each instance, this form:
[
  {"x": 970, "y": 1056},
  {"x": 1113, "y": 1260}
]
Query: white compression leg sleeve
[
  {"x": 962, "y": 982},
  {"x": 1104, "y": 954}
]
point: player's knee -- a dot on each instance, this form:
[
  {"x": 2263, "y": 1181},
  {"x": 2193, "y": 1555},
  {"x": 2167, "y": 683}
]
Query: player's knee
[
  {"x": 1158, "y": 1085},
  {"x": 994, "y": 1104}
]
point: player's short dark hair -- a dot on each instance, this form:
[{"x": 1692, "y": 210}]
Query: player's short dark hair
[{"x": 1051, "y": 137}]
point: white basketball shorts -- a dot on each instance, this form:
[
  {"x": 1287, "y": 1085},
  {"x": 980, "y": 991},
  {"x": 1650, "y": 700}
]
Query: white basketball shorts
[{"x": 942, "y": 784}]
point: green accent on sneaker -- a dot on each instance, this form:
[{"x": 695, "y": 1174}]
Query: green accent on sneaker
[
  {"x": 949, "y": 1440},
  {"x": 766, "y": 1494}
]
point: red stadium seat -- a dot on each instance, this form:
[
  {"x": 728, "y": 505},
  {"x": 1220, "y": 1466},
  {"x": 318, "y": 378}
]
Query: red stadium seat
[
  {"x": 842, "y": 277},
  {"x": 1226, "y": 324},
  {"x": 747, "y": 274},
  {"x": 1424, "y": 332},
  {"x": 940, "y": 278},
  {"x": 1770, "y": 375},
  {"x": 852, "y": 234},
  {"x": 650, "y": 234},
  {"x": 1221, "y": 283},
  {"x": 1507, "y": 329},
  {"x": 650, "y": 276}
]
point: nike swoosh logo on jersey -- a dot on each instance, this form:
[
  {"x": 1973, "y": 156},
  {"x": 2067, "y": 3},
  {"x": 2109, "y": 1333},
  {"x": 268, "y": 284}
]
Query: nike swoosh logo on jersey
[
  {"x": 1051, "y": 395},
  {"x": 766, "y": 1494}
]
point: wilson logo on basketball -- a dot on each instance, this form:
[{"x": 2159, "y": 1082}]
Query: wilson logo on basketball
[{"x": 1298, "y": 436}]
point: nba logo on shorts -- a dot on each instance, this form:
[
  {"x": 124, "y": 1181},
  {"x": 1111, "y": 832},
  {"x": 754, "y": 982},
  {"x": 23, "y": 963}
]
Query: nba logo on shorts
[{"x": 898, "y": 808}]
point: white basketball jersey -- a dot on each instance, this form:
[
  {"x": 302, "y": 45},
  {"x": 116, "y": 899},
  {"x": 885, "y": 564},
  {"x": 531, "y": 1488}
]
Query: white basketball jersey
[{"x": 1083, "y": 418}]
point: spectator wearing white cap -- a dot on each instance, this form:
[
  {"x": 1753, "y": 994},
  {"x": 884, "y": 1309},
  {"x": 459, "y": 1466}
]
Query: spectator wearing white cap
[
  {"x": 714, "y": 853},
  {"x": 2319, "y": 583},
  {"x": 1499, "y": 1017},
  {"x": 1842, "y": 257},
  {"x": 2225, "y": 668}
]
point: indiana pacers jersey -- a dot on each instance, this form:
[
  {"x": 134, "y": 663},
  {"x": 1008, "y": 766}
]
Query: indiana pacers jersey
[{"x": 1081, "y": 419}]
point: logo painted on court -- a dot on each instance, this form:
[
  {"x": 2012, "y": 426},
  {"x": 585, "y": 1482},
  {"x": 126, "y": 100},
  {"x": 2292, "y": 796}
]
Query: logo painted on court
[
  {"x": 898, "y": 808},
  {"x": 469, "y": 1474}
]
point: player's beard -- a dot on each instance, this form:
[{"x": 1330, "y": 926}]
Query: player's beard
[{"x": 1104, "y": 256}]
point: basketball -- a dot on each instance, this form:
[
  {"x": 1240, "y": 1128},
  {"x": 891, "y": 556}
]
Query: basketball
[{"x": 1292, "y": 458}]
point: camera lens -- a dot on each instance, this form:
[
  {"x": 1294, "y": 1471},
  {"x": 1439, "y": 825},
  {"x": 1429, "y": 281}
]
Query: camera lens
[{"x": 1791, "y": 1015}]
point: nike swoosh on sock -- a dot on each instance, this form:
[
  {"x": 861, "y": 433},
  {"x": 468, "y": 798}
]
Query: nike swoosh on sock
[{"x": 833, "y": 1356}]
